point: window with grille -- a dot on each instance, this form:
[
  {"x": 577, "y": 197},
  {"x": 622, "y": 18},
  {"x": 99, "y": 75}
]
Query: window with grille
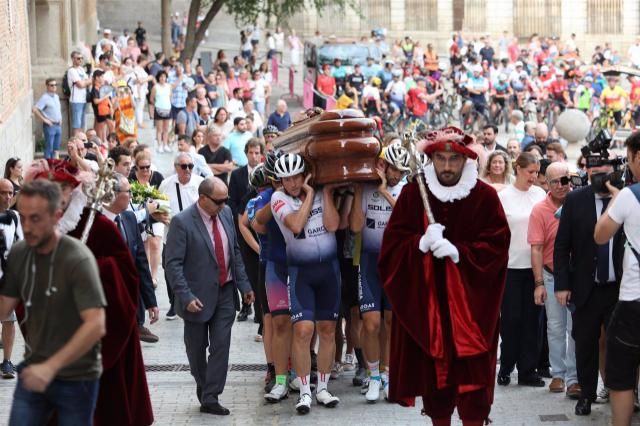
[
  {"x": 604, "y": 16},
  {"x": 537, "y": 16},
  {"x": 421, "y": 15}
]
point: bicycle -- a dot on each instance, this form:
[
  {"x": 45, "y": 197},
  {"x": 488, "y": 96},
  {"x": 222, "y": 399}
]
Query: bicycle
[{"x": 473, "y": 120}]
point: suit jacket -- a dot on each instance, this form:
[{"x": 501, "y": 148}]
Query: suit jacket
[
  {"x": 238, "y": 187},
  {"x": 136, "y": 247},
  {"x": 191, "y": 266},
  {"x": 574, "y": 254}
]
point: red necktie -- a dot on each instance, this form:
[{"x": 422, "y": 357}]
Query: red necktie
[{"x": 219, "y": 251}]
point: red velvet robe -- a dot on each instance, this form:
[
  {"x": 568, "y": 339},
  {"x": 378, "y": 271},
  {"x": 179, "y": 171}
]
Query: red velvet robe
[
  {"x": 445, "y": 330},
  {"x": 124, "y": 395}
]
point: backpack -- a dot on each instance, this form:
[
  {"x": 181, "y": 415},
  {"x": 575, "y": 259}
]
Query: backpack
[{"x": 65, "y": 84}]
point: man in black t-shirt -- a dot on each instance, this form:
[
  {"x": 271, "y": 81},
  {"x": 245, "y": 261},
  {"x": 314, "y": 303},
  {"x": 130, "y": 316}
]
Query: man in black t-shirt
[
  {"x": 356, "y": 80},
  {"x": 141, "y": 34},
  {"x": 217, "y": 157}
]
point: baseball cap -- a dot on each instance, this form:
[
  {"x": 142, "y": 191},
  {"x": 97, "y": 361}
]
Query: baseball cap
[
  {"x": 519, "y": 63},
  {"x": 544, "y": 68}
]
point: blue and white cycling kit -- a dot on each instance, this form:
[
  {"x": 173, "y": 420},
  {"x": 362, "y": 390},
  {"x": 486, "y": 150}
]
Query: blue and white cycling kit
[
  {"x": 314, "y": 272},
  {"x": 377, "y": 211},
  {"x": 273, "y": 253}
]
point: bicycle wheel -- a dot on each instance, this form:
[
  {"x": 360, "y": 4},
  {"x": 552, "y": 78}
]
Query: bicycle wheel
[{"x": 480, "y": 120}]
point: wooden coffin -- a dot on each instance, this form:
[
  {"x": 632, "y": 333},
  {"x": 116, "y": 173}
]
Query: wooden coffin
[{"x": 338, "y": 145}]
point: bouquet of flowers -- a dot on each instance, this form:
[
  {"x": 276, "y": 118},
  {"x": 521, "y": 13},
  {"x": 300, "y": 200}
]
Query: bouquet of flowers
[{"x": 142, "y": 193}]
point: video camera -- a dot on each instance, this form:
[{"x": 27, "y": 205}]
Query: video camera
[{"x": 596, "y": 154}]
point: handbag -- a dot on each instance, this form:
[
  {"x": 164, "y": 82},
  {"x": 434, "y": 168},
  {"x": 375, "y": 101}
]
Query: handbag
[{"x": 127, "y": 125}]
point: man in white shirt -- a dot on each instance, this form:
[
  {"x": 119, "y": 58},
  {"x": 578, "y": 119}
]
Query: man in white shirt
[
  {"x": 11, "y": 232},
  {"x": 107, "y": 40},
  {"x": 634, "y": 53},
  {"x": 79, "y": 82},
  {"x": 182, "y": 190},
  {"x": 623, "y": 338}
]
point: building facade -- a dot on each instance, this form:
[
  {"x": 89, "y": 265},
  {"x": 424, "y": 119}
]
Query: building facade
[
  {"x": 593, "y": 21},
  {"x": 15, "y": 83}
]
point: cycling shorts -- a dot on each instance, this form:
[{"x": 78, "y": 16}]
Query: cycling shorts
[
  {"x": 314, "y": 291},
  {"x": 276, "y": 288},
  {"x": 371, "y": 295}
]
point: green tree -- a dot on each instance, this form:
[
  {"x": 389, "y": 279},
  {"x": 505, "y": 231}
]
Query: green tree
[{"x": 245, "y": 12}]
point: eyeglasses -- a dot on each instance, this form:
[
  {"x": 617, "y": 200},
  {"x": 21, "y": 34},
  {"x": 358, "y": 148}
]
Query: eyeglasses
[
  {"x": 217, "y": 202},
  {"x": 562, "y": 181},
  {"x": 189, "y": 166},
  {"x": 144, "y": 167}
]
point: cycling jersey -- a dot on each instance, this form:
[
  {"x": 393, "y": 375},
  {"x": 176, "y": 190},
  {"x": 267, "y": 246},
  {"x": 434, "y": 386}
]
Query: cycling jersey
[
  {"x": 612, "y": 98},
  {"x": 558, "y": 88},
  {"x": 584, "y": 97},
  {"x": 377, "y": 212},
  {"x": 272, "y": 244},
  {"x": 417, "y": 106},
  {"x": 396, "y": 90},
  {"x": 478, "y": 83},
  {"x": 314, "y": 244},
  {"x": 501, "y": 89}
]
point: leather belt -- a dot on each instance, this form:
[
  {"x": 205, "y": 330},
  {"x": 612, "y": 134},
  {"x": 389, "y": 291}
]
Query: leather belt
[{"x": 546, "y": 268}]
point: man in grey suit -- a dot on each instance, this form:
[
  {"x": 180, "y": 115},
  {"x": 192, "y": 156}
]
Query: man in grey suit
[{"x": 205, "y": 269}]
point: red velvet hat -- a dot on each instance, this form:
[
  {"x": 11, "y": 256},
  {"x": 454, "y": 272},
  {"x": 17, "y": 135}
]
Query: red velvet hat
[
  {"x": 447, "y": 139},
  {"x": 60, "y": 171}
]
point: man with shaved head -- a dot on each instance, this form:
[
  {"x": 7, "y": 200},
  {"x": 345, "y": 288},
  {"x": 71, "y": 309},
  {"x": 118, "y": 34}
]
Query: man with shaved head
[
  {"x": 543, "y": 227},
  {"x": 205, "y": 270}
]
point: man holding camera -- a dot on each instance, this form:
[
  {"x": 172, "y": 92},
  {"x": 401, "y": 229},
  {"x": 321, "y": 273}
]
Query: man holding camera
[
  {"x": 11, "y": 231},
  {"x": 623, "y": 339},
  {"x": 587, "y": 275}
]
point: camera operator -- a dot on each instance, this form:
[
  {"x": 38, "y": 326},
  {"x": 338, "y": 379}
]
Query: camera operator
[
  {"x": 587, "y": 275},
  {"x": 11, "y": 232},
  {"x": 623, "y": 339}
]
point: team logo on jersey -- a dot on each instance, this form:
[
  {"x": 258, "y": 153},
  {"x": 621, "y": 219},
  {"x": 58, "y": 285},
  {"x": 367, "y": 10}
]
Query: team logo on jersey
[
  {"x": 277, "y": 205},
  {"x": 371, "y": 223},
  {"x": 376, "y": 194}
]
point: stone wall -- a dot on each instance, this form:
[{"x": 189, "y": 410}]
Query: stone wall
[
  {"x": 120, "y": 14},
  {"x": 15, "y": 83}
]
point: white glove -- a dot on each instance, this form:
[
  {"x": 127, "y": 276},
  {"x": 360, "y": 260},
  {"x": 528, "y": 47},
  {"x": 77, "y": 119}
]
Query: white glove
[
  {"x": 443, "y": 248},
  {"x": 433, "y": 234}
]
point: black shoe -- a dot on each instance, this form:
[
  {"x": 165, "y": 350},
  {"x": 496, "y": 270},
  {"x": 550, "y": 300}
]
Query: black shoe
[
  {"x": 171, "y": 314},
  {"x": 249, "y": 310},
  {"x": 504, "y": 380},
  {"x": 215, "y": 409},
  {"x": 544, "y": 372},
  {"x": 583, "y": 407},
  {"x": 199, "y": 393},
  {"x": 531, "y": 380},
  {"x": 242, "y": 316}
]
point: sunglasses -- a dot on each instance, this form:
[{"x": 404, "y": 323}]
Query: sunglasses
[
  {"x": 563, "y": 181},
  {"x": 144, "y": 167},
  {"x": 189, "y": 166},
  {"x": 217, "y": 202}
]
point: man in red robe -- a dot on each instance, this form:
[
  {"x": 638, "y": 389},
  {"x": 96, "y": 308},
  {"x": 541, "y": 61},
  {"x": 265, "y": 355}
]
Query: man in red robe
[
  {"x": 445, "y": 285},
  {"x": 123, "y": 398}
]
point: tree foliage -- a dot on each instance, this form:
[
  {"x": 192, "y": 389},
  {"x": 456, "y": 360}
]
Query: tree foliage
[{"x": 274, "y": 12}]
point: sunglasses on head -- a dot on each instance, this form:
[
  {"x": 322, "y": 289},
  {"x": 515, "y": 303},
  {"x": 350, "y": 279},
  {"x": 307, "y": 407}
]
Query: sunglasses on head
[
  {"x": 189, "y": 166},
  {"x": 217, "y": 202}
]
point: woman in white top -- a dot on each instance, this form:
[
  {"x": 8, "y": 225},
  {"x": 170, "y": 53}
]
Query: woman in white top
[
  {"x": 261, "y": 91},
  {"x": 221, "y": 122},
  {"x": 497, "y": 172},
  {"x": 520, "y": 325},
  {"x": 160, "y": 109}
]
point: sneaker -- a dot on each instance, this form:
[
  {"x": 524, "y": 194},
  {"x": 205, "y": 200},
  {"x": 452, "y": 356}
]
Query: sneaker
[
  {"x": 8, "y": 370},
  {"x": 171, "y": 314},
  {"x": 269, "y": 381},
  {"x": 277, "y": 394},
  {"x": 294, "y": 385},
  {"x": 146, "y": 335},
  {"x": 361, "y": 375},
  {"x": 385, "y": 386},
  {"x": 373, "y": 391},
  {"x": 325, "y": 398},
  {"x": 349, "y": 363},
  {"x": 603, "y": 395},
  {"x": 365, "y": 386},
  {"x": 336, "y": 371},
  {"x": 304, "y": 404}
]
